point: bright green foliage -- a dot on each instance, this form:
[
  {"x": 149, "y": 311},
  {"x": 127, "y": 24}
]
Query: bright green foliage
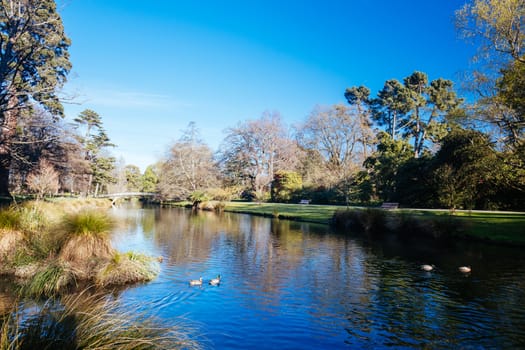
[
  {"x": 416, "y": 109},
  {"x": 150, "y": 179},
  {"x": 285, "y": 186},
  {"x": 197, "y": 197},
  {"x": 500, "y": 26},
  {"x": 498, "y": 29},
  {"x": 389, "y": 108}
]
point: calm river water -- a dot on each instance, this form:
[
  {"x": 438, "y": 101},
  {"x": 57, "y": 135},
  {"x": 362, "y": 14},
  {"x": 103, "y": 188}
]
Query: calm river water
[{"x": 289, "y": 285}]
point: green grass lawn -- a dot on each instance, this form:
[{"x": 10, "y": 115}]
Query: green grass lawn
[
  {"x": 495, "y": 226},
  {"x": 300, "y": 212}
]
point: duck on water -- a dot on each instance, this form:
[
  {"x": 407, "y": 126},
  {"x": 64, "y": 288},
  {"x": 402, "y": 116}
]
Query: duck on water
[
  {"x": 215, "y": 281},
  {"x": 196, "y": 282}
]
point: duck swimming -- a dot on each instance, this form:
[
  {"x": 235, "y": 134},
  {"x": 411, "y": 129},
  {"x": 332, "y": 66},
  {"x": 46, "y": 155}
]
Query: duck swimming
[
  {"x": 427, "y": 267},
  {"x": 196, "y": 282},
  {"x": 465, "y": 269},
  {"x": 215, "y": 281}
]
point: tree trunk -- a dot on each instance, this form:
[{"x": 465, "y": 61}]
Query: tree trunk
[{"x": 4, "y": 178}]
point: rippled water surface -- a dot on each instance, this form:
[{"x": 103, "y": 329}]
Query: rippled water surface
[{"x": 289, "y": 285}]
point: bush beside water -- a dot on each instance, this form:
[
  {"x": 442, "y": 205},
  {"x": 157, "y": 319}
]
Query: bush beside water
[{"x": 379, "y": 221}]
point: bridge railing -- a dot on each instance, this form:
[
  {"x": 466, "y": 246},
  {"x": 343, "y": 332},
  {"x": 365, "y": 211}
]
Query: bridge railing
[{"x": 126, "y": 194}]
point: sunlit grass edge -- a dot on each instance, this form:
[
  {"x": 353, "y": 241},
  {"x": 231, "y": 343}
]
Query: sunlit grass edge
[
  {"x": 300, "y": 212},
  {"x": 503, "y": 227}
]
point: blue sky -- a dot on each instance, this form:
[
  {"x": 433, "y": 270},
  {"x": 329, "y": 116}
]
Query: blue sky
[{"x": 151, "y": 67}]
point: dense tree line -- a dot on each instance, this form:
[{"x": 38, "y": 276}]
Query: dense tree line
[{"x": 416, "y": 141}]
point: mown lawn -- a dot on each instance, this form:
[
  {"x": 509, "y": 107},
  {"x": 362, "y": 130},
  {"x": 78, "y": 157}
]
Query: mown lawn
[
  {"x": 301, "y": 212},
  {"x": 499, "y": 226},
  {"x": 508, "y": 227}
]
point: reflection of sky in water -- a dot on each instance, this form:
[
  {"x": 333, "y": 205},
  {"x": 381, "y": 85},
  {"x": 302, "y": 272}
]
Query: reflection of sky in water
[{"x": 295, "y": 285}]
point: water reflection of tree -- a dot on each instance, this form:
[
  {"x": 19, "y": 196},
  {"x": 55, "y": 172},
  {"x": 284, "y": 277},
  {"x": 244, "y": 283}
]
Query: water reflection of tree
[{"x": 281, "y": 257}]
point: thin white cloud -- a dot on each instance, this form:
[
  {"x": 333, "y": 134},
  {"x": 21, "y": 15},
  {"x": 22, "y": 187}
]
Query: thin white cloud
[{"x": 129, "y": 99}]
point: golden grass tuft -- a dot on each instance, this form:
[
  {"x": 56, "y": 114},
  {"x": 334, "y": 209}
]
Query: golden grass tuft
[
  {"x": 85, "y": 253},
  {"x": 125, "y": 268},
  {"x": 104, "y": 324},
  {"x": 10, "y": 241}
]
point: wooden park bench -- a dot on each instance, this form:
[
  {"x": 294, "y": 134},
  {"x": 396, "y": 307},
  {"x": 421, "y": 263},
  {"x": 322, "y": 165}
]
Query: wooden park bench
[
  {"x": 389, "y": 205},
  {"x": 304, "y": 201}
]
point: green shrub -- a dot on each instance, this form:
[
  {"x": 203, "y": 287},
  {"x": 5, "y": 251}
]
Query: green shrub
[{"x": 286, "y": 186}]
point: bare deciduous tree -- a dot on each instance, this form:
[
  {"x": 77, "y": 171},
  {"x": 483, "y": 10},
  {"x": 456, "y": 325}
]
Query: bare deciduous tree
[
  {"x": 189, "y": 167},
  {"x": 258, "y": 148},
  {"x": 43, "y": 180},
  {"x": 339, "y": 136}
]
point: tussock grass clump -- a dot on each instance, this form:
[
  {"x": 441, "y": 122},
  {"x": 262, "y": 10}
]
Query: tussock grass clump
[
  {"x": 40, "y": 215},
  {"x": 87, "y": 244},
  {"x": 50, "y": 281},
  {"x": 95, "y": 322},
  {"x": 86, "y": 253},
  {"x": 128, "y": 268},
  {"x": 50, "y": 253},
  {"x": 88, "y": 222},
  {"x": 10, "y": 242},
  {"x": 10, "y": 218}
]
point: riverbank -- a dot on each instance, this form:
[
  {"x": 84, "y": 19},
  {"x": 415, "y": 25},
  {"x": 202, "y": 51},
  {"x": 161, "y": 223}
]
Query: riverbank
[
  {"x": 60, "y": 278},
  {"x": 500, "y": 227},
  {"x": 52, "y": 247}
]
